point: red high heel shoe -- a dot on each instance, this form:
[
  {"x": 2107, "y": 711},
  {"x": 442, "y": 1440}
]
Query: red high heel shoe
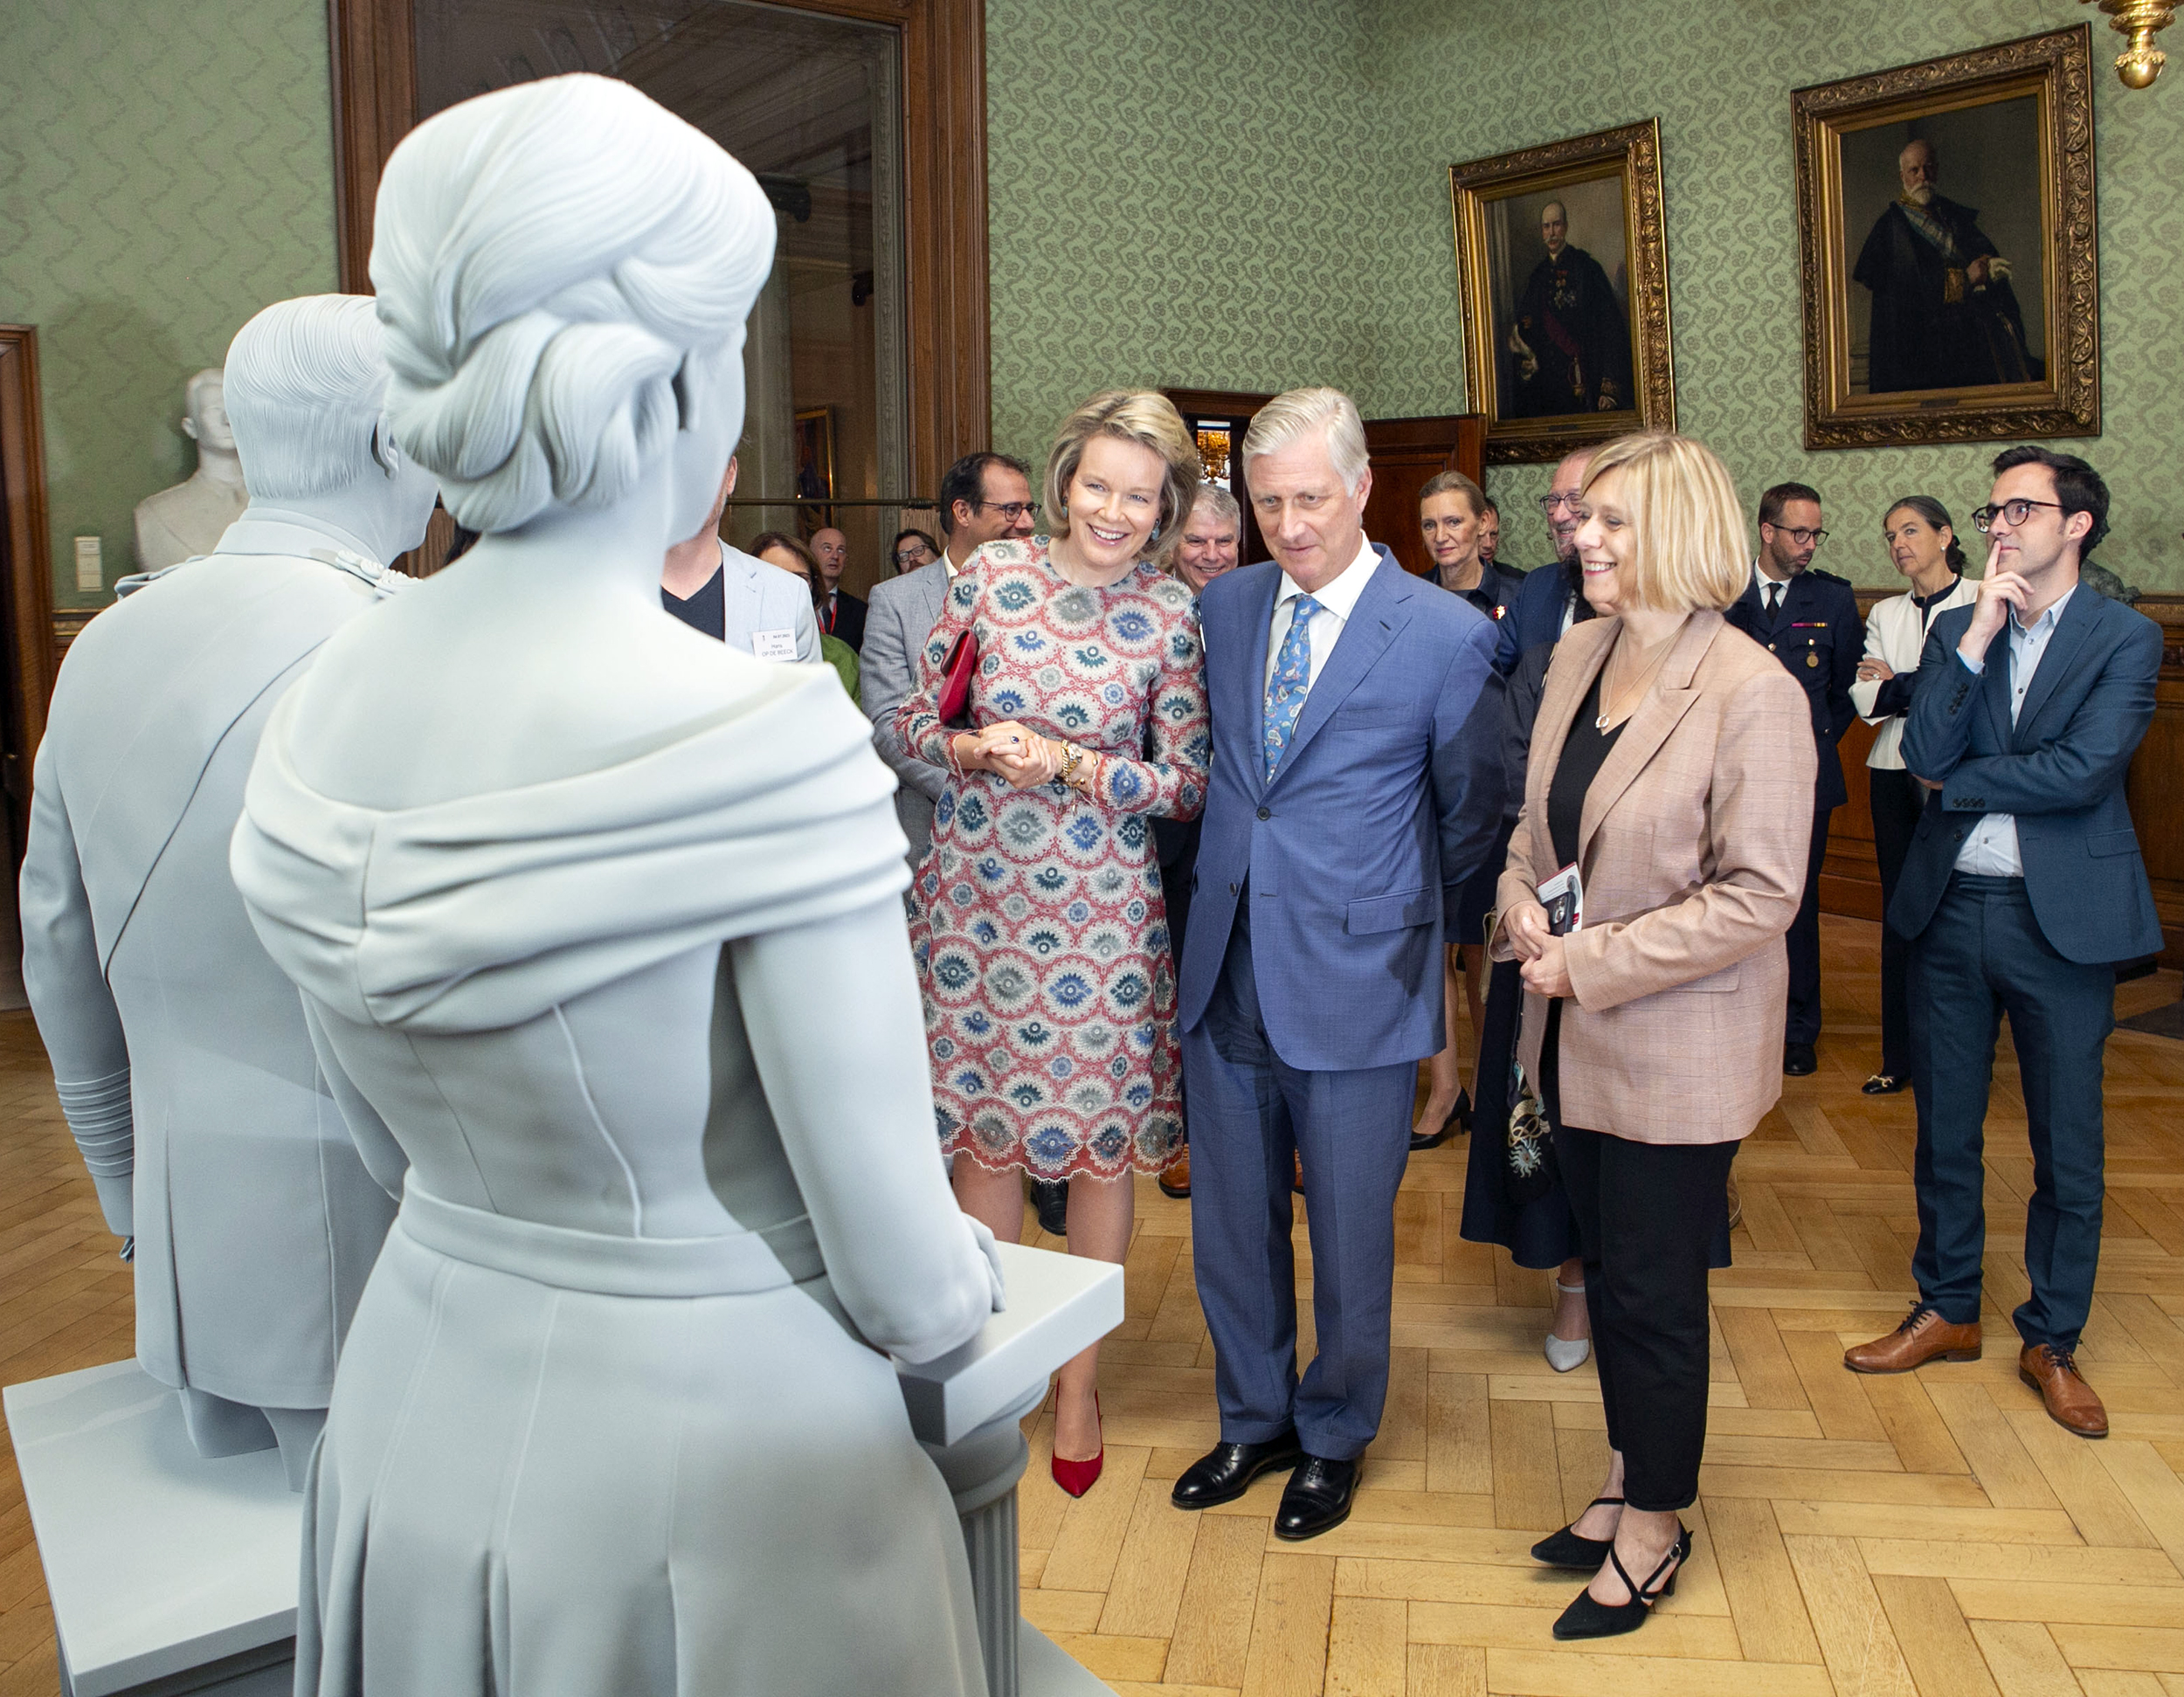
[{"x": 1078, "y": 1477}]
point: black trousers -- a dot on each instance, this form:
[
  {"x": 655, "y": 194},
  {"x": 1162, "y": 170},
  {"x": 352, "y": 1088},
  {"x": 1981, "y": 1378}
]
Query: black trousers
[
  {"x": 1647, "y": 1217},
  {"x": 1897, "y": 798},
  {"x": 1802, "y": 1023}
]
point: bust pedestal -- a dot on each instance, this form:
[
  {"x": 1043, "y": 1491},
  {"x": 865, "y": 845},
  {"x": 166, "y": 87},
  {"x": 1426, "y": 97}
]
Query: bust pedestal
[{"x": 170, "y": 1573}]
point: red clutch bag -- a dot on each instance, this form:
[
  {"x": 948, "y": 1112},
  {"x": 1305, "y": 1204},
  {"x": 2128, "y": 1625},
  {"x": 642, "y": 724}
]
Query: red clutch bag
[{"x": 954, "y": 688}]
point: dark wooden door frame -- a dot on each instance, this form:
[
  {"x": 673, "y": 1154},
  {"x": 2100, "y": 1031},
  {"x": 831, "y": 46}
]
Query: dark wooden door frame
[
  {"x": 949, "y": 389},
  {"x": 28, "y": 620}
]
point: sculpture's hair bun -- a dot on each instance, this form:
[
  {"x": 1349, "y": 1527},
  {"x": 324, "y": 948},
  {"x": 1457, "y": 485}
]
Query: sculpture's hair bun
[{"x": 559, "y": 267}]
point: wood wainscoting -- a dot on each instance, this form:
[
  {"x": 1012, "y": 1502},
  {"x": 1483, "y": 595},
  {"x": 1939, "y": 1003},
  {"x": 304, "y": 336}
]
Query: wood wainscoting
[{"x": 1850, "y": 882}]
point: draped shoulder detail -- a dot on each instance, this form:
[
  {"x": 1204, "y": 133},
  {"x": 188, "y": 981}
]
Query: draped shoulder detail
[{"x": 483, "y": 912}]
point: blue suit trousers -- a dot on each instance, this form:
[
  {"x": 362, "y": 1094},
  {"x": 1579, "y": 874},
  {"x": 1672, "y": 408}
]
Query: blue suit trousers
[
  {"x": 1983, "y": 955},
  {"x": 1250, "y": 1111}
]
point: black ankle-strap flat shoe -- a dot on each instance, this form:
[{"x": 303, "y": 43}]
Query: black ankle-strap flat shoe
[{"x": 1588, "y": 1618}]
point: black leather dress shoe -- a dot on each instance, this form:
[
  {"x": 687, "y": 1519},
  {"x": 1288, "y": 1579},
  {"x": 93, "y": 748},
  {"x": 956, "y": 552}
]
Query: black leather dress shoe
[
  {"x": 1455, "y": 1125},
  {"x": 1799, "y": 1061},
  {"x": 1316, "y": 1499},
  {"x": 1225, "y": 1472},
  {"x": 1050, "y": 1201}
]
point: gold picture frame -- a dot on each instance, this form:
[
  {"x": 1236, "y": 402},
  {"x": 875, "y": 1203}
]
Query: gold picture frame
[
  {"x": 1905, "y": 293},
  {"x": 1537, "y": 330}
]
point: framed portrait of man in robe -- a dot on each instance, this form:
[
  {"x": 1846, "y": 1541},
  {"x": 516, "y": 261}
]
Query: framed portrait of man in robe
[
  {"x": 1561, "y": 255},
  {"x": 1949, "y": 252}
]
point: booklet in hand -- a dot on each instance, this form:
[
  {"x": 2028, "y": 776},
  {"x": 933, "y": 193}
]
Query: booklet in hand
[{"x": 1563, "y": 896}]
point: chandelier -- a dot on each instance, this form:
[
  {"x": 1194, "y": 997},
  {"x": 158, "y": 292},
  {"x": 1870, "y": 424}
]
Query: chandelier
[{"x": 2138, "y": 21}]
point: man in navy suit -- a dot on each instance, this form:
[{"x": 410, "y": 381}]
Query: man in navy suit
[
  {"x": 1547, "y": 601},
  {"x": 1808, "y": 620},
  {"x": 1356, "y": 784},
  {"x": 2023, "y": 888}
]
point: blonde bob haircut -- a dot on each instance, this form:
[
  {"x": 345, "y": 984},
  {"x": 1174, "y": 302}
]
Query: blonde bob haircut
[
  {"x": 1149, "y": 419},
  {"x": 1684, "y": 508}
]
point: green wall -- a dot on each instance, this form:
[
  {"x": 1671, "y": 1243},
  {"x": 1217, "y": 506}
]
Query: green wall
[
  {"x": 165, "y": 170},
  {"x": 1718, "y": 78}
]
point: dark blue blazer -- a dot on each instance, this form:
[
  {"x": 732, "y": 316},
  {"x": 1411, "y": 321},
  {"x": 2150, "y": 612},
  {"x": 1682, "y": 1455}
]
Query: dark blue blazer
[
  {"x": 1386, "y": 802},
  {"x": 1534, "y": 616},
  {"x": 2060, "y": 769},
  {"x": 1819, "y": 636}
]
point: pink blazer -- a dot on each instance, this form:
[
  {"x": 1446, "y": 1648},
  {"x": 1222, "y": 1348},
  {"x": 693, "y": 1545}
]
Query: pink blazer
[{"x": 1692, "y": 846}]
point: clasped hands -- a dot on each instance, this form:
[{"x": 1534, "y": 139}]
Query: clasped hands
[
  {"x": 1546, "y": 969},
  {"x": 1023, "y": 759}
]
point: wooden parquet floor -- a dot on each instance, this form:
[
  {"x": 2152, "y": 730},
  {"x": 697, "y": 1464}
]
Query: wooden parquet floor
[{"x": 1932, "y": 1534}]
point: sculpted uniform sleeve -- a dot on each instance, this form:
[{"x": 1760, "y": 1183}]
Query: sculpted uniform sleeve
[
  {"x": 1758, "y": 830},
  {"x": 2061, "y": 776},
  {"x": 77, "y": 1018},
  {"x": 1468, "y": 760},
  {"x": 889, "y": 667}
]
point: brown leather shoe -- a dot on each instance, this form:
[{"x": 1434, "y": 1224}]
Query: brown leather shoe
[
  {"x": 1922, "y": 1337},
  {"x": 2070, "y": 1401},
  {"x": 1175, "y": 1177}
]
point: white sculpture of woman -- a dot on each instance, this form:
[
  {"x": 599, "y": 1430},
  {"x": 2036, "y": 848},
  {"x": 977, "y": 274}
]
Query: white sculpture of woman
[{"x": 578, "y": 899}]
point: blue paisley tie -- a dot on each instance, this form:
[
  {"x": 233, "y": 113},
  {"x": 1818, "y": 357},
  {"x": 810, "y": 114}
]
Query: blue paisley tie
[{"x": 1291, "y": 681}]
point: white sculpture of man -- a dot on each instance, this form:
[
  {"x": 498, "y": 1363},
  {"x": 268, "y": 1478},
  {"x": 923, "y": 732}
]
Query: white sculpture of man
[
  {"x": 180, "y": 1051},
  {"x": 577, "y": 902},
  {"x": 187, "y": 520}
]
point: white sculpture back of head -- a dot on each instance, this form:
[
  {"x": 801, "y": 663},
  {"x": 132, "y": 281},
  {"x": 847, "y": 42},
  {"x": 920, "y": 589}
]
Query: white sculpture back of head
[
  {"x": 183, "y": 1062},
  {"x": 188, "y": 519},
  {"x": 578, "y": 899}
]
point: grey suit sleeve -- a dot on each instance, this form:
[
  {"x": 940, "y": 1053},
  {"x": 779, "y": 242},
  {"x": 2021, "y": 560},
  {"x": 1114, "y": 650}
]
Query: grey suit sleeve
[
  {"x": 889, "y": 661},
  {"x": 77, "y": 1018},
  {"x": 807, "y": 631}
]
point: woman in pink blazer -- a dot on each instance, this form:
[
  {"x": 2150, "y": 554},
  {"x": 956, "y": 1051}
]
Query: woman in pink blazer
[{"x": 1672, "y": 765}]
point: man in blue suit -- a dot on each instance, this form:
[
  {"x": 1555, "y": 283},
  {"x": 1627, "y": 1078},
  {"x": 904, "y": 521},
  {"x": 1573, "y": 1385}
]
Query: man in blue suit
[
  {"x": 1356, "y": 783},
  {"x": 2024, "y": 888},
  {"x": 1547, "y": 601}
]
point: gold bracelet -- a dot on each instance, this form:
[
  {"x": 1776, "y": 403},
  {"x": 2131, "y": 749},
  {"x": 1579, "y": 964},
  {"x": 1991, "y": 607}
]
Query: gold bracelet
[{"x": 1070, "y": 756}]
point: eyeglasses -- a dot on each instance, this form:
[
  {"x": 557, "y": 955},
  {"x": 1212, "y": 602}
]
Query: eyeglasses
[
  {"x": 1011, "y": 510},
  {"x": 1799, "y": 538},
  {"x": 1548, "y": 503},
  {"x": 910, "y": 557},
  {"x": 2016, "y": 511}
]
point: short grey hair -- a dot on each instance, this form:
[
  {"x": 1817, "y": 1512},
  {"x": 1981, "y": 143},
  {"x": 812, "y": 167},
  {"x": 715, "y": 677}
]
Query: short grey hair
[
  {"x": 1296, "y": 413},
  {"x": 1223, "y": 503},
  {"x": 306, "y": 386}
]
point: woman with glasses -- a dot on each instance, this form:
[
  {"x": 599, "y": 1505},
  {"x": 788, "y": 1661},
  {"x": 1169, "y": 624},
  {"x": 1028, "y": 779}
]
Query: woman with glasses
[
  {"x": 1922, "y": 545},
  {"x": 1037, "y": 918}
]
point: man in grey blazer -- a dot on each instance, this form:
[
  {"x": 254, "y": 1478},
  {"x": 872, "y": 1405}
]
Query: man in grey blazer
[
  {"x": 179, "y": 1050},
  {"x": 735, "y": 598},
  {"x": 983, "y": 497}
]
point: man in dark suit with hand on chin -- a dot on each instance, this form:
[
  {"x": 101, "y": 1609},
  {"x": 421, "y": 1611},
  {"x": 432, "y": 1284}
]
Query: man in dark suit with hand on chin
[
  {"x": 1356, "y": 787},
  {"x": 2024, "y": 886}
]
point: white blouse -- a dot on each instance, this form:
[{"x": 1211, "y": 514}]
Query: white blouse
[{"x": 1896, "y": 634}]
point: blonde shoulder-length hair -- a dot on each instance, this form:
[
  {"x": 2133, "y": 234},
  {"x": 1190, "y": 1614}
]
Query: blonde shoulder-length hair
[
  {"x": 1149, "y": 419},
  {"x": 1683, "y": 509}
]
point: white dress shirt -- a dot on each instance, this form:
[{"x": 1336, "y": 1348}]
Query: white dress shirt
[
  {"x": 1337, "y": 601},
  {"x": 1991, "y": 850},
  {"x": 1781, "y": 585}
]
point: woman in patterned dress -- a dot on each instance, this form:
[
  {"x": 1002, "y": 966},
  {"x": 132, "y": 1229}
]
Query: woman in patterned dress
[{"x": 1037, "y": 919}]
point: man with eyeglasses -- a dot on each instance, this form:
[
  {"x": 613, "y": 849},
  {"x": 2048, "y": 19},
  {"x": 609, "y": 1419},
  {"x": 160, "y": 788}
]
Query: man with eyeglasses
[
  {"x": 1808, "y": 620},
  {"x": 2023, "y": 888},
  {"x": 1549, "y": 601}
]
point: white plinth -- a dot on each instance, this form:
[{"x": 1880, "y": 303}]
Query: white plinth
[
  {"x": 1057, "y": 1305},
  {"x": 159, "y": 1562}
]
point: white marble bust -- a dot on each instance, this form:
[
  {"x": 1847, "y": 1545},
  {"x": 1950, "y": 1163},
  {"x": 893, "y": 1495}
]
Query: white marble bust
[{"x": 187, "y": 520}]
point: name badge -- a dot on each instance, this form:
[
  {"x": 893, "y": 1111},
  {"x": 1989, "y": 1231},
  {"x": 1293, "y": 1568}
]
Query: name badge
[{"x": 773, "y": 644}]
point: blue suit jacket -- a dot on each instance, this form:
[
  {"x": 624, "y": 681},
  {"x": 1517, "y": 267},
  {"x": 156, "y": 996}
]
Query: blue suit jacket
[
  {"x": 2060, "y": 769},
  {"x": 1387, "y": 801},
  {"x": 1534, "y": 616},
  {"x": 1820, "y": 638}
]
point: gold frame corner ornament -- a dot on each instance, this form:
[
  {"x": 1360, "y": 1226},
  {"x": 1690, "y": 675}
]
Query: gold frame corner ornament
[
  {"x": 2056, "y": 69},
  {"x": 1631, "y": 152}
]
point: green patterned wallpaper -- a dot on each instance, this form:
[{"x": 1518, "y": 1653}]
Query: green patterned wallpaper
[
  {"x": 1457, "y": 79},
  {"x": 165, "y": 170}
]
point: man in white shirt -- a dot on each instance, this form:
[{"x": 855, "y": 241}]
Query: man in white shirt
[
  {"x": 2023, "y": 888},
  {"x": 734, "y": 599}
]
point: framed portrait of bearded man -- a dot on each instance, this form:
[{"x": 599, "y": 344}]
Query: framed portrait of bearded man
[
  {"x": 1562, "y": 257},
  {"x": 1949, "y": 251}
]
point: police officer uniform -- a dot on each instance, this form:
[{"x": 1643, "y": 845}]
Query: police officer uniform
[{"x": 1811, "y": 624}]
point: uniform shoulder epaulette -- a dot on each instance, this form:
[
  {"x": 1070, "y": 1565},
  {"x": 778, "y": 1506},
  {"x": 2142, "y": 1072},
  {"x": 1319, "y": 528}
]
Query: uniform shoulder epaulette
[{"x": 1826, "y": 576}]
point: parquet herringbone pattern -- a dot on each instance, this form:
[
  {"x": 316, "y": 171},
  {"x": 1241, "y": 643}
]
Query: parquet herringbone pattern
[{"x": 1932, "y": 1534}]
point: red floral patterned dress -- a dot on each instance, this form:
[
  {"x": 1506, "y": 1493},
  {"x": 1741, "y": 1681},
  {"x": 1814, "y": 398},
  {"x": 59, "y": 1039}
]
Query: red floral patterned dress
[{"x": 1041, "y": 935}]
